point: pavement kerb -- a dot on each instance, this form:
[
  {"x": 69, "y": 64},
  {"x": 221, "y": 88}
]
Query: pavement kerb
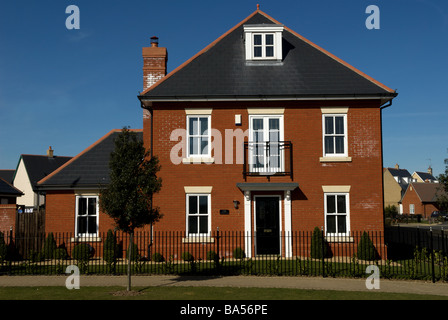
[{"x": 310, "y": 283}]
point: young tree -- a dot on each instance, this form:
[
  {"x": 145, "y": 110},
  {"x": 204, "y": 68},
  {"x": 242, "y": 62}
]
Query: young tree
[
  {"x": 442, "y": 191},
  {"x": 127, "y": 199}
]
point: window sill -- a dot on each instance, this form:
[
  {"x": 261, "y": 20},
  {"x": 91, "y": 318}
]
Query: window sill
[
  {"x": 334, "y": 239},
  {"x": 335, "y": 159},
  {"x": 198, "y": 160},
  {"x": 198, "y": 239},
  {"x": 86, "y": 239}
]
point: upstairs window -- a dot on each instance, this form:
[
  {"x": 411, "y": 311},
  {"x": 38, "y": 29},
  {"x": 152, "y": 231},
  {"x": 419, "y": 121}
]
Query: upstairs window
[
  {"x": 198, "y": 142},
  {"x": 335, "y": 135},
  {"x": 264, "y": 46},
  {"x": 263, "y": 42}
]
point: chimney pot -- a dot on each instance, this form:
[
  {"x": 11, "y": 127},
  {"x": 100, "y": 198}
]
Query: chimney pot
[
  {"x": 397, "y": 166},
  {"x": 154, "y": 41}
]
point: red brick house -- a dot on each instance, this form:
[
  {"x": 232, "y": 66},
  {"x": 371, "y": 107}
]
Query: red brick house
[
  {"x": 421, "y": 198},
  {"x": 267, "y": 133},
  {"x": 262, "y": 132}
]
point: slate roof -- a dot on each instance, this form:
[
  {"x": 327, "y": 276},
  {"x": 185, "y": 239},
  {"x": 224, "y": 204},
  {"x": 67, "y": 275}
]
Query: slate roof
[
  {"x": 6, "y": 189},
  {"x": 7, "y": 175},
  {"x": 425, "y": 176},
  {"x": 89, "y": 169},
  {"x": 220, "y": 71},
  {"x": 40, "y": 166}
]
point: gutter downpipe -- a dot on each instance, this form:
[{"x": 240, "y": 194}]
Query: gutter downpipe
[
  {"x": 382, "y": 158},
  {"x": 150, "y": 154}
]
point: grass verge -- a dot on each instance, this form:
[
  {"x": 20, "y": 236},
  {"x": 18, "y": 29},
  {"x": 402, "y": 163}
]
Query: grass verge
[{"x": 198, "y": 293}]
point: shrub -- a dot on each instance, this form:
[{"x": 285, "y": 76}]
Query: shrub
[
  {"x": 366, "y": 249},
  {"x": 239, "y": 253},
  {"x": 211, "y": 255},
  {"x": 81, "y": 252},
  {"x": 35, "y": 256},
  {"x": 60, "y": 253},
  {"x": 318, "y": 245},
  {"x": 187, "y": 256},
  {"x": 110, "y": 248},
  {"x": 49, "y": 247},
  {"x": 157, "y": 257}
]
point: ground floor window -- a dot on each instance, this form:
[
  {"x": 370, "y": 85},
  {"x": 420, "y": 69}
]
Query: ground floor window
[
  {"x": 86, "y": 223},
  {"x": 337, "y": 221},
  {"x": 198, "y": 214}
]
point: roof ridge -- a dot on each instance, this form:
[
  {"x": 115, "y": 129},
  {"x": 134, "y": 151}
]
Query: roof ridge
[{"x": 258, "y": 11}]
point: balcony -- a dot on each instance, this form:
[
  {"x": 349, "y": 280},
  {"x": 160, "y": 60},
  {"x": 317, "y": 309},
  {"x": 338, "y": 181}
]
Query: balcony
[{"x": 267, "y": 158}]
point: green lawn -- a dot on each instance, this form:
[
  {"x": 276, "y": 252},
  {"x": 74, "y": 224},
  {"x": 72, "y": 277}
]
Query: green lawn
[{"x": 197, "y": 293}]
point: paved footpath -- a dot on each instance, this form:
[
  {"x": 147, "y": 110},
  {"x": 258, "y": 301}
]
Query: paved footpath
[{"x": 313, "y": 283}]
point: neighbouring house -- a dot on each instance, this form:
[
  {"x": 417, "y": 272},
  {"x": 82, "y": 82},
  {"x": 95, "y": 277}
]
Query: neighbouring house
[
  {"x": 72, "y": 191},
  {"x": 266, "y": 133},
  {"x": 420, "y": 198},
  {"x": 395, "y": 181},
  {"x": 424, "y": 176},
  {"x": 8, "y": 205},
  {"x": 31, "y": 169}
]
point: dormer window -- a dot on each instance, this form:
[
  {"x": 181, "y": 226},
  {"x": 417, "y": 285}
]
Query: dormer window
[{"x": 263, "y": 42}]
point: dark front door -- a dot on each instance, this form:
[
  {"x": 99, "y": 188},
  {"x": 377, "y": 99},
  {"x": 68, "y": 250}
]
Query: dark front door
[{"x": 267, "y": 225}]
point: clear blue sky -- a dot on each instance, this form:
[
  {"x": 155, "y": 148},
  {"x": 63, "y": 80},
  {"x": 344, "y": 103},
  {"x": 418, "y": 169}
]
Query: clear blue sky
[{"x": 67, "y": 88}]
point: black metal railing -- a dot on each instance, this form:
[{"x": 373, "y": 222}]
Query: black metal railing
[
  {"x": 267, "y": 158},
  {"x": 398, "y": 253}
]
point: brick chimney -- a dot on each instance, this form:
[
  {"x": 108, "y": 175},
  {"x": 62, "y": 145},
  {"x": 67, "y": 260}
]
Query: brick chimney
[
  {"x": 430, "y": 170},
  {"x": 155, "y": 61},
  {"x": 50, "y": 152}
]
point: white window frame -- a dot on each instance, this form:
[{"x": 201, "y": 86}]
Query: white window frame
[
  {"x": 84, "y": 235},
  {"x": 411, "y": 208},
  {"x": 187, "y": 215},
  {"x": 263, "y": 46},
  {"x": 208, "y": 135},
  {"x": 346, "y": 214},
  {"x": 271, "y": 29},
  {"x": 324, "y": 135},
  {"x": 266, "y": 118}
]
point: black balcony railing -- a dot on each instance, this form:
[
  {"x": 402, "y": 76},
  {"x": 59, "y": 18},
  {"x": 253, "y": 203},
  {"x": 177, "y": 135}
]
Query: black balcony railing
[{"x": 267, "y": 158}]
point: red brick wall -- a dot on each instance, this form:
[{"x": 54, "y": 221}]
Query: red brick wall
[
  {"x": 302, "y": 126},
  {"x": 60, "y": 213},
  {"x": 7, "y": 217},
  {"x": 411, "y": 197}
]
